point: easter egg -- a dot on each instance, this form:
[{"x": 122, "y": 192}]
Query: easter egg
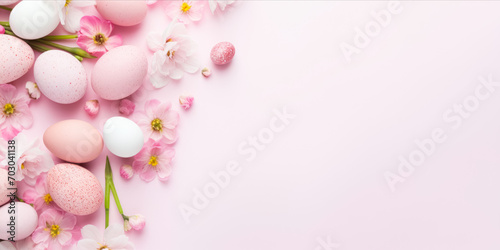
[
  {"x": 60, "y": 76},
  {"x": 222, "y": 53},
  {"x": 74, "y": 189},
  {"x": 73, "y": 141},
  {"x": 7, "y": 2},
  {"x": 122, "y": 136},
  {"x": 16, "y": 58},
  {"x": 122, "y": 13},
  {"x": 119, "y": 73},
  {"x": 25, "y": 221},
  {"x": 4, "y": 185},
  {"x": 34, "y": 19}
]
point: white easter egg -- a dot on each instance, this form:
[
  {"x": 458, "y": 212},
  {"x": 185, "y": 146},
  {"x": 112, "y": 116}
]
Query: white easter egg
[
  {"x": 122, "y": 136},
  {"x": 18, "y": 220},
  {"x": 33, "y": 19},
  {"x": 60, "y": 76}
]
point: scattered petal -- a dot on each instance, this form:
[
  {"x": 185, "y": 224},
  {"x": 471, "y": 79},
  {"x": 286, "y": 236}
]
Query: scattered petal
[
  {"x": 186, "y": 101},
  {"x": 126, "y": 172},
  {"x": 206, "y": 72},
  {"x": 33, "y": 90},
  {"x": 92, "y": 107},
  {"x": 127, "y": 107},
  {"x": 137, "y": 222},
  {"x": 2, "y": 30}
]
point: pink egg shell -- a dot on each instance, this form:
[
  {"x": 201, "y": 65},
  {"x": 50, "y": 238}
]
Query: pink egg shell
[
  {"x": 222, "y": 53},
  {"x": 122, "y": 13},
  {"x": 8, "y": 2},
  {"x": 16, "y": 58},
  {"x": 60, "y": 76},
  {"x": 74, "y": 189},
  {"x": 119, "y": 73},
  {"x": 4, "y": 184},
  {"x": 73, "y": 141}
]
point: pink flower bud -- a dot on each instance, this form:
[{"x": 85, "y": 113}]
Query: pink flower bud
[
  {"x": 126, "y": 225},
  {"x": 126, "y": 172},
  {"x": 33, "y": 90},
  {"x": 127, "y": 107},
  {"x": 2, "y": 30},
  {"x": 206, "y": 72},
  {"x": 186, "y": 101},
  {"x": 136, "y": 222},
  {"x": 92, "y": 107}
]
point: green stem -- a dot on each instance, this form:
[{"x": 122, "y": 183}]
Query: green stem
[
  {"x": 73, "y": 50},
  {"x": 109, "y": 179},
  {"x": 5, "y": 24},
  {"x": 5, "y": 8},
  {"x": 37, "y": 46},
  {"x": 63, "y": 37}
]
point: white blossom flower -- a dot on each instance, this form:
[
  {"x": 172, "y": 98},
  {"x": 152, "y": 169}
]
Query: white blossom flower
[
  {"x": 221, "y": 3},
  {"x": 70, "y": 13},
  {"x": 114, "y": 238}
]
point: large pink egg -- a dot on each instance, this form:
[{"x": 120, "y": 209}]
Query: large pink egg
[
  {"x": 8, "y": 2},
  {"x": 25, "y": 220},
  {"x": 74, "y": 189},
  {"x": 73, "y": 141},
  {"x": 119, "y": 73},
  {"x": 16, "y": 58},
  {"x": 60, "y": 76},
  {"x": 123, "y": 13},
  {"x": 222, "y": 53}
]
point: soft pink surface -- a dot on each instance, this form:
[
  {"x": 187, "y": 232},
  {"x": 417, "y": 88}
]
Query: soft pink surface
[{"x": 323, "y": 175}]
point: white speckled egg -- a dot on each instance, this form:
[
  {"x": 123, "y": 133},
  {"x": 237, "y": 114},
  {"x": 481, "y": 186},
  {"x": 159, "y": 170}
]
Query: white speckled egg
[
  {"x": 8, "y": 2},
  {"x": 60, "y": 76},
  {"x": 119, "y": 73},
  {"x": 16, "y": 58},
  {"x": 26, "y": 220},
  {"x": 74, "y": 189},
  {"x": 4, "y": 185},
  {"x": 122, "y": 136},
  {"x": 34, "y": 19},
  {"x": 123, "y": 13}
]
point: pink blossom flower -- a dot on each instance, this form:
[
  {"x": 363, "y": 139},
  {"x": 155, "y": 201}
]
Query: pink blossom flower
[
  {"x": 55, "y": 229},
  {"x": 95, "y": 36},
  {"x": 40, "y": 196},
  {"x": 15, "y": 115},
  {"x": 92, "y": 107},
  {"x": 221, "y": 3},
  {"x": 30, "y": 160},
  {"x": 185, "y": 11},
  {"x": 33, "y": 90},
  {"x": 186, "y": 101},
  {"x": 154, "y": 159},
  {"x": 159, "y": 121},
  {"x": 173, "y": 55},
  {"x": 127, "y": 107},
  {"x": 126, "y": 172},
  {"x": 136, "y": 222},
  {"x": 114, "y": 238}
]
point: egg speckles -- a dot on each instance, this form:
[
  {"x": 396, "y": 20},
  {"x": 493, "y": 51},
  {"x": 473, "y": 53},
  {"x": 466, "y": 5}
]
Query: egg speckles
[
  {"x": 16, "y": 58},
  {"x": 60, "y": 77},
  {"x": 74, "y": 189}
]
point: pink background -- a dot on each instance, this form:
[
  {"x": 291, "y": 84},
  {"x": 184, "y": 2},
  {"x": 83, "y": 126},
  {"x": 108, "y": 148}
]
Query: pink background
[{"x": 323, "y": 175}]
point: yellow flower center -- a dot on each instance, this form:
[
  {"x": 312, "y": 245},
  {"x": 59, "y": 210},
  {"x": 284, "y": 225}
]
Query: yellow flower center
[
  {"x": 67, "y": 3},
  {"x": 54, "y": 230},
  {"x": 22, "y": 166},
  {"x": 103, "y": 247},
  {"x": 153, "y": 161},
  {"x": 185, "y": 7},
  {"x": 47, "y": 198},
  {"x": 157, "y": 125},
  {"x": 9, "y": 109},
  {"x": 100, "y": 39}
]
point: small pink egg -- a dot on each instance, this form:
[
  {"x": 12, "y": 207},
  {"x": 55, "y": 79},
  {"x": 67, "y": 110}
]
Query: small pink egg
[
  {"x": 74, "y": 189},
  {"x": 16, "y": 58},
  {"x": 222, "y": 53}
]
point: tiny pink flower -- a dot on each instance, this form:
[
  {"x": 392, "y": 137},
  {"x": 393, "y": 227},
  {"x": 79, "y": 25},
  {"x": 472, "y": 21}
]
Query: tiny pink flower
[
  {"x": 136, "y": 222},
  {"x": 33, "y": 90},
  {"x": 2, "y": 30},
  {"x": 159, "y": 121},
  {"x": 185, "y": 11},
  {"x": 186, "y": 101},
  {"x": 154, "y": 159},
  {"x": 92, "y": 107},
  {"x": 126, "y": 172},
  {"x": 55, "y": 229},
  {"x": 127, "y": 107},
  {"x": 206, "y": 72},
  {"x": 15, "y": 114},
  {"x": 95, "y": 36},
  {"x": 39, "y": 196}
]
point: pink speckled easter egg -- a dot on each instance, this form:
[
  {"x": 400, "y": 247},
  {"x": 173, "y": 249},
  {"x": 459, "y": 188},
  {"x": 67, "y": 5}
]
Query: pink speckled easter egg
[
  {"x": 122, "y": 13},
  {"x": 119, "y": 73},
  {"x": 16, "y": 58},
  {"x": 60, "y": 76},
  {"x": 73, "y": 141},
  {"x": 222, "y": 53},
  {"x": 74, "y": 189},
  {"x": 8, "y": 2},
  {"x": 4, "y": 184}
]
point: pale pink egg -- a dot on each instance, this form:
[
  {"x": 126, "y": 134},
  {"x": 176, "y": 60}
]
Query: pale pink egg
[
  {"x": 74, "y": 189},
  {"x": 60, "y": 76},
  {"x": 4, "y": 185},
  {"x": 222, "y": 53},
  {"x": 119, "y": 73},
  {"x": 8, "y": 2},
  {"x": 123, "y": 13},
  {"x": 16, "y": 58},
  {"x": 25, "y": 220},
  {"x": 73, "y": 141}
]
